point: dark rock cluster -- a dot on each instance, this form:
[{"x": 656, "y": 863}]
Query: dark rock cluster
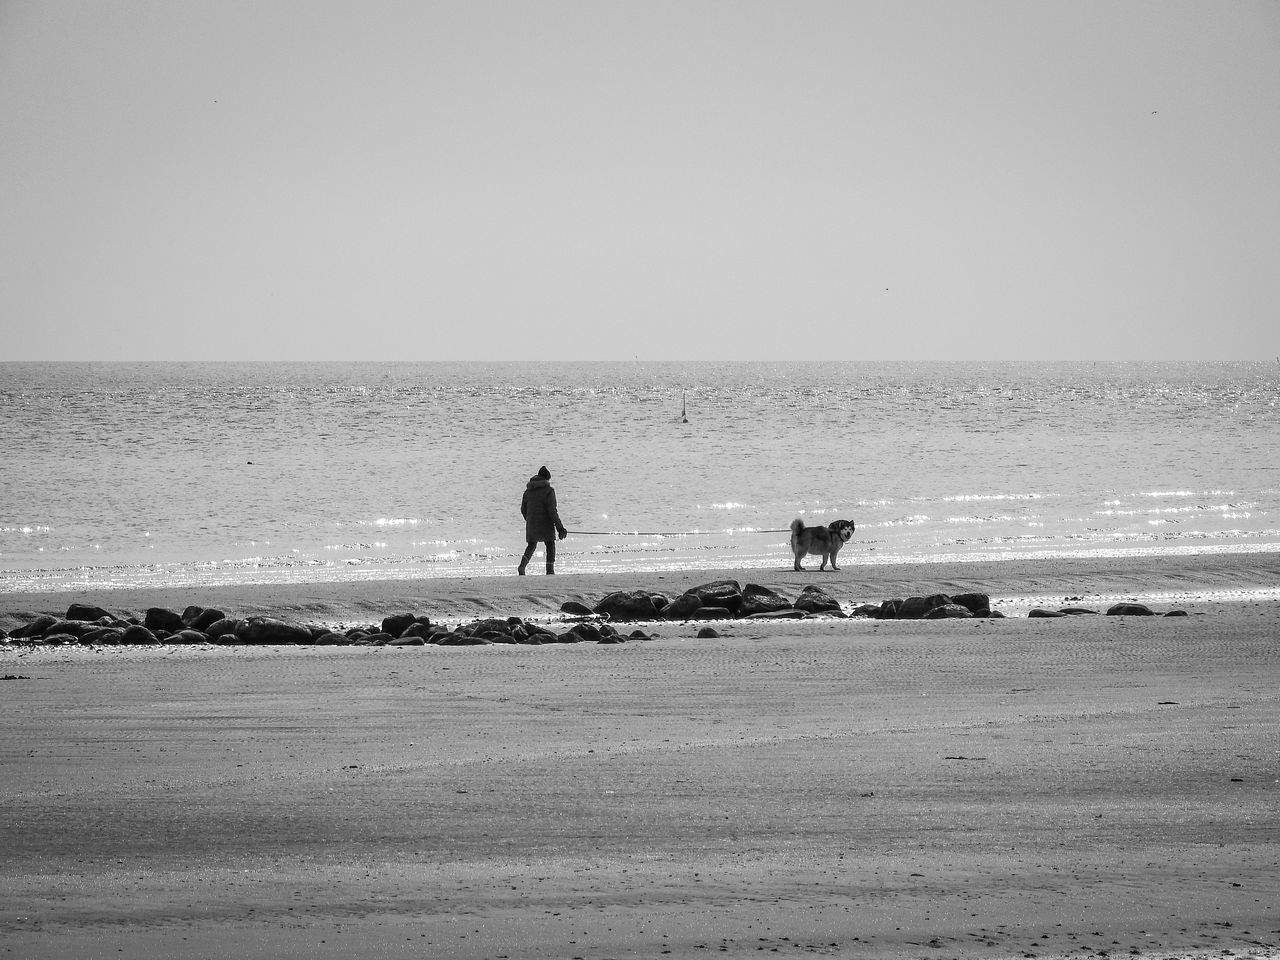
[
  {"x": 1128, "y": 608},
  {"x": 937, "y": 606},
  {"x": 727, "y": 600},
  {"x": 93, "y": 626},
  {"x": 718, "y": 600}
]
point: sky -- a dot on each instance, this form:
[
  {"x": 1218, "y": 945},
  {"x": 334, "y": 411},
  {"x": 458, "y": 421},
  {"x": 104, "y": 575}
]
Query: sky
[{"x": 653, "y": 180}]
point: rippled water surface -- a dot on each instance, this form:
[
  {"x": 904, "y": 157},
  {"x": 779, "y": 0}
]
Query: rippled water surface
[{"x": 180, "y": 473}]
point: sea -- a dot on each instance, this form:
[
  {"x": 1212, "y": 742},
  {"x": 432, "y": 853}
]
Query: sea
[{"x": 177, "y": 474}]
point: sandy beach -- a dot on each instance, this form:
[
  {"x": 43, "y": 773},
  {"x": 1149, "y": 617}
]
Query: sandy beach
[{"x": 1085, "y": 786}]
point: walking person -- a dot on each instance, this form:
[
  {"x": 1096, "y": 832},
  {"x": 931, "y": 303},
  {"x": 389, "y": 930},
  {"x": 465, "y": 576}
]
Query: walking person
[{"x": 541, "y": 519}]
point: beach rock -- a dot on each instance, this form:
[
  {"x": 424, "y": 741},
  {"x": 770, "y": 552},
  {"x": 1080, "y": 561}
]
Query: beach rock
[
  {"x": 682, "y": 607},
  {"x": 1130, "y": 610},
  {"x": 332, "y": 640},
  {"x": 405, "y": 641},
  {"x": 375, "y": 639},
  {"x": 916, "y": 608},
  {"x": 269, "y": 630},
  {"x": 575, "y": 608},
  {"x": 949, "y": 611},
  {"x": 1041, "y": 613},
  {"x": 790, "y": 613},
  {"x": 640, "y": 635},
  {"x": 220, "y": 628},
  {"x": 719, "y": 593},
  {"x": 36, "y": 628},
  {"x": 397, "y": 623},
  {"x": 866, "y": 610},
  {"x": 104, "y": 636},
  {"x": 459, "y": 639},
  {"x": 979, "y": 604},
  {"x": 158, "y": 618},
  {"x": 1177, "y": 613},
  {"x": 1078, "y": 611},
  {"x": 190, "y": 613},
  {"x": 536, "y": 634},
  {"x": 74, "y": 628},
  {"x": 486, "y": 625},
  {"x": 84, "y": 611},
  {"x": 417, "y": 629},
  {"x": 585, "y": 631},
  {"x": 757, "y": 599},
  {"x": 814, "y": 599},
  {"x": 631, "y": 605},
  {"x": 708, "y": 633},
  {"x": 137, "y": 635},
  {"x": 206, "y": 618},
  {"x": 889, "y": 610},
  {"x": 189, "y": 636}
]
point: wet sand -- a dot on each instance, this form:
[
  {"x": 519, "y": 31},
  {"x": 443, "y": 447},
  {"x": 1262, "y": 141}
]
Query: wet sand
[{"x": 1073, "y": 787}]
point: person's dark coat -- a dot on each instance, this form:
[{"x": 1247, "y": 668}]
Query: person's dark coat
[{"x": 538, "y": 507}]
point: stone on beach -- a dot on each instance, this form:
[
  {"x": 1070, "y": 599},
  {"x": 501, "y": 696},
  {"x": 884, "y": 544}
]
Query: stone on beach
[
  {"x": 397, "y": 623},
  {"x": 269, "y": 630},
  {"x": 719, "y": 593},
  {"x": 84, "y": 611},
  {"x": 632, "y": 605},
  {"x": 949, "y": 611},
  {"x": 1130, "y": 609},
  {"x": 682, "y": 607},
  {"x": 757, "y": 599},
  {"x": 158, "y": 618},
  {"x": 979, "y": 604},
  {"x": 814, "y": 599},
  {"x": 206, "y": 618}
]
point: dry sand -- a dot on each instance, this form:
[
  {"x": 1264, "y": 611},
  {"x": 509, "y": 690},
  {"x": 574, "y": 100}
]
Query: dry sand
[{"x": 1074, "y": 787}]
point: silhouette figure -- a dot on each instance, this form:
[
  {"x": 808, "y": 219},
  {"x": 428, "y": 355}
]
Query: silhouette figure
[{"x": 541, "y": 519}]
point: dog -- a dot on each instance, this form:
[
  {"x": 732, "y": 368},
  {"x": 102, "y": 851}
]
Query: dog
[{"x": 826, "y": 541}]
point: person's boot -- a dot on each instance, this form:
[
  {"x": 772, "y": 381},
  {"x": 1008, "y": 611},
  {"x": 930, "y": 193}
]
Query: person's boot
[
  {"x": 551, "y": 568},
  {"x": 520, "y": 569}
]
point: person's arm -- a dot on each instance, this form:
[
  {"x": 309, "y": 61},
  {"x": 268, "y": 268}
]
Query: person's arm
[
  {"x": 554, "y": 513},
  {"x": 524, "y": 505}
]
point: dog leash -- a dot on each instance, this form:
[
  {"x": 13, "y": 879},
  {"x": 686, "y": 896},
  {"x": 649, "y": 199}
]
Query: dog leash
[{"x": 667, "y": 533}]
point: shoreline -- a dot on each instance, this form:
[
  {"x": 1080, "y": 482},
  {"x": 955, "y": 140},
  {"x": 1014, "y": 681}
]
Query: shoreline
[{"x": 1010, "y": 583}]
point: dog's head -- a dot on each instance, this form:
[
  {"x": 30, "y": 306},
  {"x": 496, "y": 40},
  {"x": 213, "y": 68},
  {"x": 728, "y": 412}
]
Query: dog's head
[{"x": 842, "y": 529}]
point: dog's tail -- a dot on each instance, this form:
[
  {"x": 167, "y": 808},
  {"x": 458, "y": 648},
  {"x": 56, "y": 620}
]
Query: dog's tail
[{"x": 797, "y": 527}]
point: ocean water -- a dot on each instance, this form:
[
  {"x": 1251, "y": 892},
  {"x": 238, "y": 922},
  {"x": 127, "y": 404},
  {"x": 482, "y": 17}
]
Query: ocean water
[{"x": 181, "y": 473}]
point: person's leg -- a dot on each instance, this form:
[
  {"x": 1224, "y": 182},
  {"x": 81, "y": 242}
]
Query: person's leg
[
  {"x": 551, "y": 555},
  {"x": 528, "y": 552}
]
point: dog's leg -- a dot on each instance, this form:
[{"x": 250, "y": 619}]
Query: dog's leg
[{"x": 798, "y": 556}]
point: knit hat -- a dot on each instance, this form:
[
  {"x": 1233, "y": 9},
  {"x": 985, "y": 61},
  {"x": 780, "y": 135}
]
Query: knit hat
[{"x": 544, "y": 473}]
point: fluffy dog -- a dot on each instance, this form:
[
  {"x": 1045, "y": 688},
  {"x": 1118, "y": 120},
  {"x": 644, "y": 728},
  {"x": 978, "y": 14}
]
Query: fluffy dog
[{"x": 826, "y": 541}]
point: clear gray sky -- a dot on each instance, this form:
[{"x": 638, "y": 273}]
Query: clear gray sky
[{"x": 214, "y": 179}]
